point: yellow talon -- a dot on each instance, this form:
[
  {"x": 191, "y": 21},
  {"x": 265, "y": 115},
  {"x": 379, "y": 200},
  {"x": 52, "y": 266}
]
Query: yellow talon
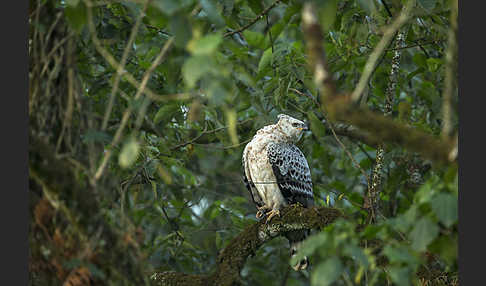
[
  {"x": 260, "y": 213},
  {"x": 271, "y": 214}
]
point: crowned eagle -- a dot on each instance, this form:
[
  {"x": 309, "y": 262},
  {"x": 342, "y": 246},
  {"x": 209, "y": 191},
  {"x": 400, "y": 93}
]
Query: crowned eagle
[{"x": 277, "y": 174}]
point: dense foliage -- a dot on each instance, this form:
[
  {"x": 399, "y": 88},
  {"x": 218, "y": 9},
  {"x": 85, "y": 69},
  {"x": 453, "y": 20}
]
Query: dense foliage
[{"x": 140, "y": 110}]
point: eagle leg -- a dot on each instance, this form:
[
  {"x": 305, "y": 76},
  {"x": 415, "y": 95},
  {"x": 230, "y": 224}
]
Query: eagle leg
[
  {"x": 271, "y": 214},
  {"x": 261, "y": 211}
]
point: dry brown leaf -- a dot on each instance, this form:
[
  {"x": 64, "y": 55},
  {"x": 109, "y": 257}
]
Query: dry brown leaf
[
  {"x": 43, "y": 212},
  {"x": 79, "y": 277}
]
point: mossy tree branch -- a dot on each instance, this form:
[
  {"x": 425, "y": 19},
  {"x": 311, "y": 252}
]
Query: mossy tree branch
[{"x": 233, "y": 257}]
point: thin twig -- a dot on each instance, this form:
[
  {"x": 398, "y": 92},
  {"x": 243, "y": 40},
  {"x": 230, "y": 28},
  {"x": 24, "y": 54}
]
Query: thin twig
[
  {"x": 260, "y": 16},
  {"x": 47, "y": 58},
  {"x": 128, "y": 111},
  {"x": 110, "y": 59},
  {"x": 204, "y": 132},
  {"x": 224, "y": 147},
  {"x": 190, "y": 141},
  {"x": 305, "y": 94}
]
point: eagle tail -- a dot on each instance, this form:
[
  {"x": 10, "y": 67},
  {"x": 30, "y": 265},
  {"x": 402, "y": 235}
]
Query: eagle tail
[
  {"x": 295, "y": 240},
  {"x": 301, "y": 264}
]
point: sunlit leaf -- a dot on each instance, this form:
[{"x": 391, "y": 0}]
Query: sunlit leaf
[
  {"x": 205, "y": 45},
  {"x": 129, "y": 153},
  {"x": 231, "y": 119}
]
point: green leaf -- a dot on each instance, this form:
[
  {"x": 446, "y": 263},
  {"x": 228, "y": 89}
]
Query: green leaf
[
  {"x": 309, "y": 246},
  {"x": 129, "y": 153},
  {"x": 211, "y": 10},
  {"x": 256, "y": 6},
  {"x": 444, "y": 206},
  {"x": 180, "y": 27},
  {"x": 426, "y": 192},
  {"x": 371, "y": 230},
  {"x": 165, "y": 112},
  {"x": 427, "y": 91},
  {"x": 194, "y": 68},
  {"x": 216, "y": 93},
  {"x": 400, "y": 275},
  {"x": 404, "y": 221},
  {"x": 399, "y": 254},
  {"x": 433, "y": 64},
  {"x": 278, "y": 27},
  {"x": 420, "y": 60},
  {"x": 95, "y": 136},
  {"x": 205, "y": 45},
  {"x": 76, "y": 16},
  {"x": 446, "y": 247},
  {"x": 367, "y": 5},
  {"x": 414, "y": 73},
  {"x": 164, "y": 174},
  {"x": 423, "y": 233},
  {"x": 169, "y": 7},
  {"x": 326, "y": 273},
  {"x": 316, "y": 126},
  {"x": 428, "y": 5},
  {"x": 265, "y": 60},
  {"x": 254, "y": 39},
  {"x": 156, "y": 17},
  {"x": 358, "y": 254},
  {"x": 328, "y": 14}
]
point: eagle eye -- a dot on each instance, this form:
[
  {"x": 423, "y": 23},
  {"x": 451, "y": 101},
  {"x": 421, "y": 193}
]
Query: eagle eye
[{"x": 295, "y": 124}]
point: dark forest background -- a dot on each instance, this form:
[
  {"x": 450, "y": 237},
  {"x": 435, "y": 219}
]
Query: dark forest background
[{"x": 139, "y": 112}]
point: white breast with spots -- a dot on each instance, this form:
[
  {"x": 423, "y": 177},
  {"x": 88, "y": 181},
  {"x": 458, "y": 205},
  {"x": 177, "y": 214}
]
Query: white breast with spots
[{"x": 259, "y": 171}]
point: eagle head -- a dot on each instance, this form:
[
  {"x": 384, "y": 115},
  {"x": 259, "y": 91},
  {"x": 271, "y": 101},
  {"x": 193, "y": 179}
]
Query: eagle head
[{"x": 291, "y": 127}]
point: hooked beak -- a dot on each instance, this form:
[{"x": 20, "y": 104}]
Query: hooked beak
[{"x": 304, "y": 128}]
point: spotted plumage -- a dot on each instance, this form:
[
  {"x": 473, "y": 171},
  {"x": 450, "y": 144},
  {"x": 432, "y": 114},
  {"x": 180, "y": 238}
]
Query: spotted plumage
[
  {"x": 277, "y": 174},
  {"x": 292, "y": 173}
]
